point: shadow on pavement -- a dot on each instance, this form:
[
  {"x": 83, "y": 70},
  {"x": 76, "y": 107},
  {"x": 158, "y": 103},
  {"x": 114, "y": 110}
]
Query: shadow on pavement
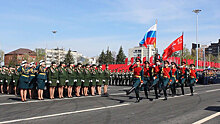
[{"x": 213, "y": 108}]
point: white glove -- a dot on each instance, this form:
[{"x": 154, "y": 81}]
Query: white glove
[
  {"x": 75, "y": 80},
  {"x": 83, "y": 81},
  {"x": 154, "y": 78},
  {"x": 90, "y": 80},
  {"x": 130, "y": 76},
  {"x": 50, "y": 82},
  {"x": 58, "y": 81},
  {"x": 6, "y": 81},
  {"x": 45, "y": 81},
  {"x": 13, "y": 81},
  {"x": 97, "y": 80},
  {"x": 67, "y": 81},
  {"x": 103, "y": 80},
  {"x": 154, "y": 65},
  {"x": 1, "y": 80}
]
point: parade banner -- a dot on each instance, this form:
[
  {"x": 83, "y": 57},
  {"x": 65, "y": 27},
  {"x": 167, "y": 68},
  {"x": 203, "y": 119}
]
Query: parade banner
[
  {"x": 126, "y": 61},
  {"x": 144, "y": 59},
  {"x": 173, "y": 47},
  {"x": 132, "y": 60}
]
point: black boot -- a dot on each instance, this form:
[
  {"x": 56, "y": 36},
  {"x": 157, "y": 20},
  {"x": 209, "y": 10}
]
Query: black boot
[
  {"x": 129, "y": 91},
  {"x": 191, "y": 89},
  {"x": 138, "y": 98},
  {"x": 155, "y": 90},
  {"x": 182, "y": 90},
  {"x": 165, "y": 94},
  {"x": 146, "y": 93}
]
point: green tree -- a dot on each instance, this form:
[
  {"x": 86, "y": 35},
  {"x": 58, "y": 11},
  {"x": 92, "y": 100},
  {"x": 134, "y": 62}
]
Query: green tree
[
  {"x": 68, "y": 58},
  {"x": 102, "y": 58},
  {"x": 121, "y": 56},
  {"x": 1, "y": 56},
  {"x": 40, "y": 54},
  {"x": 109, "y": 57}
]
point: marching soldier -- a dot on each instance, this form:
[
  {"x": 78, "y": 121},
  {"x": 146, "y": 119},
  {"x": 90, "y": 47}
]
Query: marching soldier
[
  {"x": 93, "y": 79},
  {"x": 147, "y": 77},
  {"x": 32, "y": 79},
  {"x": 24, "y": 80},
  {"x": 138, "y": 79},
  {"x": 166, "y": 74},
  {"x": 193, "y": 77},
  {"x": 53, "y": 79},
  {"x": 62, "y": 79},
  {"x": 99, "y": 81},
  {"x": 16, "y": 76},
  {"x": 174, "y": 78},
  {"x": 71, "y": 76},
  {"x": 183, "y": 76},
  {"x": 106, "y": 80},
  {"x": 156, "y": 72},
  {"x": 87, "y": 77},
  {"x": 41, "y": 79}
]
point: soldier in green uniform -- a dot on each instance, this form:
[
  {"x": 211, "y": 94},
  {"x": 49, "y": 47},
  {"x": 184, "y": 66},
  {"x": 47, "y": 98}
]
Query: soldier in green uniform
[
  {"x": 53, "y": 79},
  {"x": 116, "y": 77},
  {"x": 63, "y": 79},
  {"x": 1, "y": 80},
  {"x": 120, "y": 77},
  {"x": 71, "y": 76},
  {"x": 16, "y": 76},
  {"x": 93, "y": 72},
  {"x": 23, "y": 80},
  {"x": 32, "y": 78},
  {"x": 41, "y": 79},
  {"x": 4, "y": 74},
  {"x": 106, "y": 80},
  {"x": 9, "y": 77},
  {"x": 87, "y": 78},
  {"x": 130, "y": 75},
  {"x": 99, "y": 80},
  {"x": 80, "y": 76}
]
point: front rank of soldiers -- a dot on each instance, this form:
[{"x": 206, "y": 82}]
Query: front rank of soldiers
[{"x": 58, "y": 80}]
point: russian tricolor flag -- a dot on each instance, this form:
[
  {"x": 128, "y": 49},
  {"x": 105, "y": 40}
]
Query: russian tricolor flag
[{"x": 150, "y": 37}]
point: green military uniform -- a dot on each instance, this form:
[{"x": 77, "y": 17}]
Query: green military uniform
[
  {"x": 62, "y": 76},
  {"x": 93, "y": 76},
  {"x": 87, "y": 77},
  {"x": 1, "y": 78},
  {"x": 107, "y": 74},
  {"x": 100, "y": 77},
  {"x": 9, "y": 77},
  {"x": 41, "y": 77},
  {"x": 71, "y": 74},
  {"x": 24, "y": 78},
  {"x": 16, "y": 76},
  {"x": 80, "y": 76},
  {"x": 53, "y": 77}
]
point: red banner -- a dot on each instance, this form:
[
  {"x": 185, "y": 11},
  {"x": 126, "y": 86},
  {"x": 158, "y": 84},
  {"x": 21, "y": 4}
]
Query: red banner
[{"x": 176, "y": 45}]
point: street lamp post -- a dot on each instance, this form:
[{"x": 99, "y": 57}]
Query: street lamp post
[{"x": 197, "y": 11}]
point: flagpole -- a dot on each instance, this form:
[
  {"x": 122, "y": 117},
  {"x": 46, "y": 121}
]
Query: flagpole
[{"x": 181, "y": 58}]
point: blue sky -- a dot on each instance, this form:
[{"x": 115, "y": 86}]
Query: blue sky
[{"x": 89, "y": 26}]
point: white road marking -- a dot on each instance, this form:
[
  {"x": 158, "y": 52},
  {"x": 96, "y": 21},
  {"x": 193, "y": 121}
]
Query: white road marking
[
  {"x": 50, "y": 100},
  {"x": 6, "y": 95},
  {"x": 207, "y": 118},
  {"x": 61, "y": 114},
  {"x": 212, "y": 90},
  {"x": 170, "y": 97}
]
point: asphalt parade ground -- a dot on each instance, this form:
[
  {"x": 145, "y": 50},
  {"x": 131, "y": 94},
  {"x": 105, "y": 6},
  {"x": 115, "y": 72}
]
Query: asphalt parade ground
[{"x": 203, "y": 107}]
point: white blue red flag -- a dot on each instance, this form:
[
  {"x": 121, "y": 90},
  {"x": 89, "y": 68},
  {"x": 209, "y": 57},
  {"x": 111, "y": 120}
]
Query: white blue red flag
[{"x": 150, "y": 37}]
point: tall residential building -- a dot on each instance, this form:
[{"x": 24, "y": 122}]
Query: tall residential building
[
  {"x": 58, "y": 55},
  {"x": 141, "y": 51},
  {"x": 213, "y": 49}
]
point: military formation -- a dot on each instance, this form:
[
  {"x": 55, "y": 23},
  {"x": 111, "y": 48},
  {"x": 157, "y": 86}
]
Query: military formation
[
  {"x": 58, "y": 80},
  {"x": 76, "y": 80},
  {"x": 160, "y": 78}
]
